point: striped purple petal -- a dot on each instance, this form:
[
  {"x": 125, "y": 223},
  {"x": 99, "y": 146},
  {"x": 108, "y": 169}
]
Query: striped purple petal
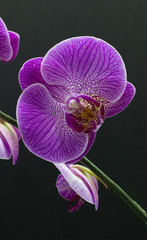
[
  {"x": 43, "y": 128},
  {"x": 30, "y": 73},
  {"x": 112, "y": 109},
  {"x": 91, "y": 138},
  {"x": 86, "y": 65}
]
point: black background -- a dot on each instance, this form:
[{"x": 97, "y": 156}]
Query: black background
[{"x": 30, "y": 207}]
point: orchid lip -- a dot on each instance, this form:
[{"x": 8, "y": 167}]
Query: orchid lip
[{"x": 84, "y": 114}]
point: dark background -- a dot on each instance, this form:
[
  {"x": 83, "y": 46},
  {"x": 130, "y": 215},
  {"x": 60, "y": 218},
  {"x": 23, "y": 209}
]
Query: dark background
[{"x": 30, "y": 207}]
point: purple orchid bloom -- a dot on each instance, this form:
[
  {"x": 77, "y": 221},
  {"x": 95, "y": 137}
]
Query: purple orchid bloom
[
  {"x": 76, "y": 185},
  {"x": 9, "y": 137},
  {"x": 9, "y": 43},
  {"x": 68, "y": 94}
]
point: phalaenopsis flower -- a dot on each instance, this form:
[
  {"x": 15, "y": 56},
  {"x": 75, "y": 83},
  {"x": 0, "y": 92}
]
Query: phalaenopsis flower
[{"x": 68, "y": 94}]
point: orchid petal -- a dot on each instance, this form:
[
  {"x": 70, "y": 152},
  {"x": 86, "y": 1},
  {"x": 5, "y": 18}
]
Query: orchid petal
[
  {"x": 43, "y": 128},
  {"x": 9, "y": 43},
  {"x": 14, "y": 41},
  {"x": 11, "y": 137},
  {"x": 30, "y": 73},
  {"x": 112, "y": 109},
  {"x": 86, "y": 65},
  {"x": 91, "y": 138},
  {"x": 92, "y": 186},
  {"x": 5, "y": 152},
  {"x": 65, "y": 190},
  {"x": 6, "y": 50}
]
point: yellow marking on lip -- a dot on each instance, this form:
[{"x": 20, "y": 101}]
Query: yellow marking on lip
[{"x": 87, "y": 113}]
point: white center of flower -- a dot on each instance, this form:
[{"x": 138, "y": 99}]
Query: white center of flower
[{"x": 73, "y": 104}]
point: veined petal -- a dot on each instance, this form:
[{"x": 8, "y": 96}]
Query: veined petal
[
  {"x": 91, "y": 138},
  {"x": 112, "y": 109},
  {"x": 86, "y": 65},
  {"x": 6, "y": 50},
  {"x": 30, "y": 73},
  {"x": 11, "y": 137},
  {"x": 43, "y": 128}
]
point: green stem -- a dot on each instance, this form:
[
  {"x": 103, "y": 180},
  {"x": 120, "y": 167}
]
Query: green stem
[
  {"x": 116, "y": 189},
  {"x": 8, "y": 119},
  {"x": 110, "y": 183}
]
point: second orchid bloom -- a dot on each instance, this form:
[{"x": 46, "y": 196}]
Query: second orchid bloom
[{"x": 75, "y": 184}]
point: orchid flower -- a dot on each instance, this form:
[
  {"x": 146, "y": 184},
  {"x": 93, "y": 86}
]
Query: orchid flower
[
  {"x": 9, "y": 43},
  {"x": 9, "y": 137},
  {"x": 75, "y": 184},
  {"x": 68, "y": 94}
]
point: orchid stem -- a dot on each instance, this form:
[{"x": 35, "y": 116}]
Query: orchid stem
[
  {"x": 104, "y": 178},
  {"x": 116, "y": 189},
  {"x": 8, "y": 119}
]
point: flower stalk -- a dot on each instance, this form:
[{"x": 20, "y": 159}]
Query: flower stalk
[
  {"x": 116, "y": 189},
  {"x": 111, "y": 185},
  {"x": 8, "y": 119}
]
